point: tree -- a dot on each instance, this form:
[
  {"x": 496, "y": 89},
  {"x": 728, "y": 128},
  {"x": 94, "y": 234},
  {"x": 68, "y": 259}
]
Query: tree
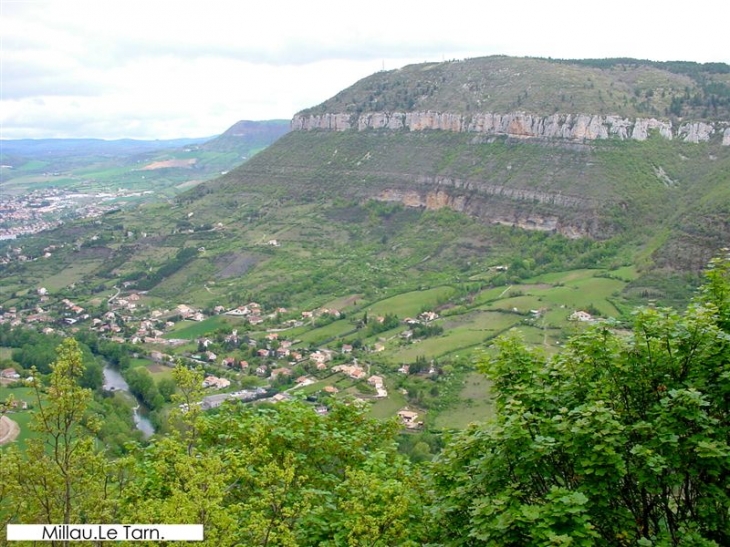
[
  {"x": 166, "y": 387},
  {"x": 61, "y": 477},
  {"x": 278, "y": 475},
  {"x": 622, "y": 439}
]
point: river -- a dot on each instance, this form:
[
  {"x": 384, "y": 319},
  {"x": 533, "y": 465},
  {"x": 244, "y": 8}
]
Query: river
[{"x": 113, "y": 381}]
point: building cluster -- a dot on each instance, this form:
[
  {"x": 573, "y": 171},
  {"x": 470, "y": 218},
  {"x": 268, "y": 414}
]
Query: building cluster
[{"x": 46, "y": 208}]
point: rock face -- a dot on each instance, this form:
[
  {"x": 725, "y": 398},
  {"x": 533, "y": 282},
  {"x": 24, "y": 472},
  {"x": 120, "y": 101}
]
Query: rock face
[
  {"x": 576, "y": 127},
  {"x": 570, "y": 215}
]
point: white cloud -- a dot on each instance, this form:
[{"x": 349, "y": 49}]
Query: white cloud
[{"x": 162, "y": 68}]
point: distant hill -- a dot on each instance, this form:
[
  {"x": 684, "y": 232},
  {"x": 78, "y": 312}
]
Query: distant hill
[
  {"x": 164, "y": 165},
  {"x": 248, "y": 135},
  {"x": 90, "y": 147}
]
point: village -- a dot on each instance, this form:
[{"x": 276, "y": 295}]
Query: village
[{"x": 254, "y": 361}]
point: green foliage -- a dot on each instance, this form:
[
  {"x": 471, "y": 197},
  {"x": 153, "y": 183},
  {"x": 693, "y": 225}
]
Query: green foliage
[
  {"x": 143, "y": 386},
  {"x": 390, "y": 321},
  {"x": 61, "y": 477},
  {"x": 619, "y": 439},
  {"x": 183, "y": 257},
  {"x": 279, "y": 475}
]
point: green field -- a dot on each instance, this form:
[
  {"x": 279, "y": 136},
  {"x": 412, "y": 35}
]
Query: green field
[
  {"x": 388, "y": 407},
  {"x": 72, "y": 274},
  {"x": 326, "y": 333},
  {"x": 474, "y": 404},
  {"x": 190, "y": 330},
  {"x": 411, "y": 303}
]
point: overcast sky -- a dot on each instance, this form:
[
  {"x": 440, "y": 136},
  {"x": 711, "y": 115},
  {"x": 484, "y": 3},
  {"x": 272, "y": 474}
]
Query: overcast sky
[{"x": 165, "y": 69}]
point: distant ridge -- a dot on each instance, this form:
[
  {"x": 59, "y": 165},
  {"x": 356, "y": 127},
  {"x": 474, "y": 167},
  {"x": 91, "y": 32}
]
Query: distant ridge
[{"x": 254, "y": 134}]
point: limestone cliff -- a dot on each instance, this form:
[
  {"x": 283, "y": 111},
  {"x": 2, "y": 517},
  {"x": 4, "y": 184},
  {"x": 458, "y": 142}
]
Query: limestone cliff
[{"x": 575, "y": 127}]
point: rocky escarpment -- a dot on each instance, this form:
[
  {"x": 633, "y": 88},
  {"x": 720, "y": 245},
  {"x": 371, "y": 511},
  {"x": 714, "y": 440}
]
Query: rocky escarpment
[
  {"x": 576, "y": 127},
  {"x": 575, "y": 225}
]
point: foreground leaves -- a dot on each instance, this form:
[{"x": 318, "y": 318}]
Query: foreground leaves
[{"x": 620, "y": 440}]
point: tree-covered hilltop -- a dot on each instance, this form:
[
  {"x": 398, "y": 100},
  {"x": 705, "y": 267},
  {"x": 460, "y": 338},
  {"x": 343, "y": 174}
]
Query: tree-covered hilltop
[{"x": 623, "y": 438}]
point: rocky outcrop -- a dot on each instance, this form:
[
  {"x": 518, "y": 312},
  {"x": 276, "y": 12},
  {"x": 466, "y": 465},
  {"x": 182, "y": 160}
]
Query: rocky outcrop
[
  {"x": 570, "y": 215},
  {"x": 575, "y": 127}
]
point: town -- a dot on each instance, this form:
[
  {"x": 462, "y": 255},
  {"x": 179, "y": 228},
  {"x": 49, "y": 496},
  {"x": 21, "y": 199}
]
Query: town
[{"x": 47, "y": 208}]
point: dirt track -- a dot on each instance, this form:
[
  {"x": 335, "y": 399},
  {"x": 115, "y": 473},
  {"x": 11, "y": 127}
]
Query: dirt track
[{"x": 9, "y": 430}]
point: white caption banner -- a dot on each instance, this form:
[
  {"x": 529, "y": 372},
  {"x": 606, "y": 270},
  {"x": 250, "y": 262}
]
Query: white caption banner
[{"x": 105, "y": 532}]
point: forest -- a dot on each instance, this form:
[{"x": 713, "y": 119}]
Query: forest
[{"x": 622, "y": 438}]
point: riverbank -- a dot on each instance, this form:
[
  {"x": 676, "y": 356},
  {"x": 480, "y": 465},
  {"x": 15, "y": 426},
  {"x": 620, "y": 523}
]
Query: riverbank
[{"x": 114, "y": 382}]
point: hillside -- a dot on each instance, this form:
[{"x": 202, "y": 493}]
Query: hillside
[
  {"x": 368, "y": 210},
  {"x": 625, "y": 87},
  {"x": 448, "y": 135},
  {"x": 247, "y": 136}
]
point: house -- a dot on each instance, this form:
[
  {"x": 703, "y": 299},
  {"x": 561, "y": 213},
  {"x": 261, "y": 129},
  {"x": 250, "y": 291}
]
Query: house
[
  {"x": 214, "y": 381},
  {"x": 378, "y": 383},
  {"x": 375, "y": 380},
  {"x": 304, "y": 381},
  {"x": 228, "y": 362},
  {"x": 184, "y": 310},
  {"x": 409, "y": 418},
  {"x": 330, "y": 389},
  {"x": 580, "y": 316},
  {"x": 9, "y": 373},
  {"x": 356, "y": 372},
  {"x": 243, "y": 365},
  {"x": 282, "y": 371},
  {"x": 346, "y": 348},
  {"x": 321, "y": 355},
  {"x": 240, "y": 311},
  {"x": 428, "y": 316}
]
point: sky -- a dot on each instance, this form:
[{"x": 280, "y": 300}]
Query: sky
[{"x": 161, "y": 69}]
